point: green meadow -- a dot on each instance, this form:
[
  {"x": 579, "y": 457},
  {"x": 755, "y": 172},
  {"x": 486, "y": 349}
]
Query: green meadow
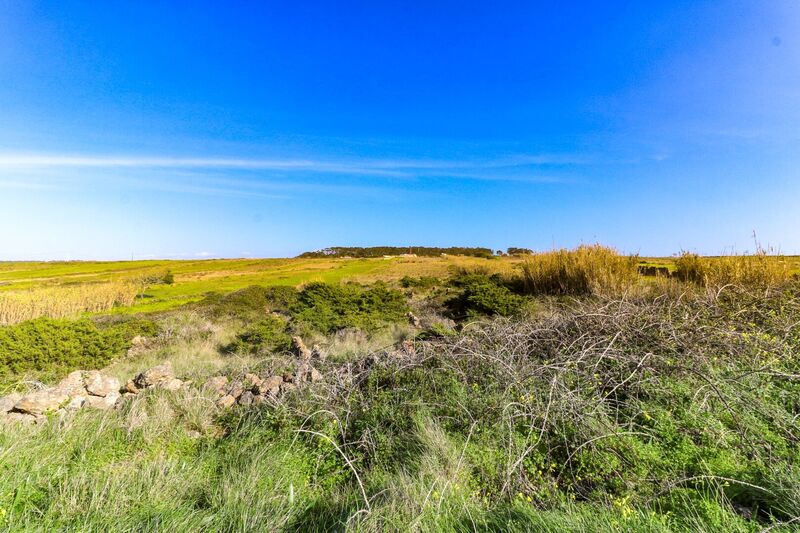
[{"x": 575, "y": 390}]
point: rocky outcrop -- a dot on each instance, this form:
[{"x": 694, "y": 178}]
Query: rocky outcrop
[
  {"x": 155, "y": 377},
  {"x": 93, "y": 389},
  {"x": 253, "y": 389},
  {"x": 78, "y": 390}
]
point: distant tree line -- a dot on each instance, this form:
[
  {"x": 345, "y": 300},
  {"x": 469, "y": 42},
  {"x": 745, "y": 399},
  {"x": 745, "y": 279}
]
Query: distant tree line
[
  {"x": 519, "y": 251},
  {"x": 380, "y": 251}
]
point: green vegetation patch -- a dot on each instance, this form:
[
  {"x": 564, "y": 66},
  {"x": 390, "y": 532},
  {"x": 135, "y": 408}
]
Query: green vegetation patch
[
  {"x": 49, "y": 348},
  {"x": 483, "y": 294},
  {"x": 328, "y": 308},
  {"x": 267, "y": 335}
]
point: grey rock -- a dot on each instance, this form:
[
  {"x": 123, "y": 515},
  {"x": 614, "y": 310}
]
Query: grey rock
[
  {"x": 236, "y": 389},
  {"x": 103, "y": 402},
  {"x": 99, "y": 385},
  {"x": 318, "y": 353},
  {"x": 155, "y": 376},
  {"x": 171, "y": 385},
  {"x": 130, "y": 387},
  {"x": 217, "y": 384},
  {"x": 226, "y": 401},
  {"x": 246, "y": 398},
  {"x": 251, "y": 381},
  {"x": 75, "y": 403},
  {"x": 73, "y": 384},
  {"x": 287, "y": 387},
  {"x": 20, "y": 418},
  {"x": 270, "y": 386}
]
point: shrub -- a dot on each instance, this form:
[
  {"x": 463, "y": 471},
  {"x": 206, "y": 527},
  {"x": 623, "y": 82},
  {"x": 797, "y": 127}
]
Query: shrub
[
  {"x": 589, "y": 269},
  {"x": 483, "y": 295},
  {"x": 422, "y": 282},
  {"x": 689, "y": 267},
  {"x": 50, "y": 348},
  {"x": 251, "y": 302},
  {"x": 328, "y": 308},
  {"x": 168, "y": 278},
  {"x": 267, "y": 335}
]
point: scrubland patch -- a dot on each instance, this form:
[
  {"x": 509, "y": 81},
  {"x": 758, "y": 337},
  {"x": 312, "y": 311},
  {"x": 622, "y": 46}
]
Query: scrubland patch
[{"x": 656, "y": 406}]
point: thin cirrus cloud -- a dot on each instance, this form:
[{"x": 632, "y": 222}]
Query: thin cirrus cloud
[
  {"x": 377, "y": 167},
  {"x": 276, "y": 178}
]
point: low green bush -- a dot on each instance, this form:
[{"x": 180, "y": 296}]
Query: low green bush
[
  {"x": 422, "y": 282},
  {"x": 267, "y": 335},
  {"x": 250, "y": 303},
  {"x": 327, "y": 308},
  {"x": 50, "y": 348},
  {"x": 482, "y": 294}
]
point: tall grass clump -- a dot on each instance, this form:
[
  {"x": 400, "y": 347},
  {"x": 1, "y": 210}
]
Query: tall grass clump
[
  {"x": 759, "y": 270},
  {"x": 64, "y": 302},
  {"x": 586, "y": 270}
]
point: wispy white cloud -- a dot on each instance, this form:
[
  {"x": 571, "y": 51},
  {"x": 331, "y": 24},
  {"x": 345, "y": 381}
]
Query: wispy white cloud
[
  {"x": 399, "y": 168},
  {"x": 270, "y": 179},
  {"x": 27, "y": 185}
]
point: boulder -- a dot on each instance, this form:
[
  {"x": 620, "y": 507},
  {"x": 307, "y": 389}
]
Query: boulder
[
  {"x": 99, "y": 385},
  {"x": 299, "y": 348},
  {"x": 41, "y": 401},
  {"x": 246, "y": 398},
  {"x": 217, "y": 384},
  {"x": 73, "y": 384},
  {"x": 251, "y": 381},
  {"x": 259, "y": 400},
  {"x": 139, "y": 344},
  {"x": 155, "y": 376},
  {"x": 270, "y": 386},
  {"x": 406, "y": 349},
  {"x": 7, "y": 402},
  {"x": 103, "y": 402},
  {"x": 75, "y": 403},
  {"x": 307, "y": 373},
  {"x": 21, "y": 418},
  {"x": 236, "y": 389},
  {"x": 130, "y": 387},
  {"x": 171, "y": 385},
  {"x": 226, "y": 401}
]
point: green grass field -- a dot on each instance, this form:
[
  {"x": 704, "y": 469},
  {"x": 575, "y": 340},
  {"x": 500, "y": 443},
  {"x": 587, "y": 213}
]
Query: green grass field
[
  {"x": 579, "y": 395},
  {"x": 193, "y": 279}
]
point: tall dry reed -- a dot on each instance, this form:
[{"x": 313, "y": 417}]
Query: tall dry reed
[
  {"x": 588, "y": 269},
  {"x": 759, "y": 270}
]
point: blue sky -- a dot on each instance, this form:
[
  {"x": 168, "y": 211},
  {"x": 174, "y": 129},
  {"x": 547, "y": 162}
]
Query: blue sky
[{"x": 266, "y": 129}]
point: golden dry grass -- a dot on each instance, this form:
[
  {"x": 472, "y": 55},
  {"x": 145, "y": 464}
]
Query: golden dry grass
[
  {"x": 62, "y": 302},
  {"x": 588, "y": 269},
  {"x": 759, "y": 270}
]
